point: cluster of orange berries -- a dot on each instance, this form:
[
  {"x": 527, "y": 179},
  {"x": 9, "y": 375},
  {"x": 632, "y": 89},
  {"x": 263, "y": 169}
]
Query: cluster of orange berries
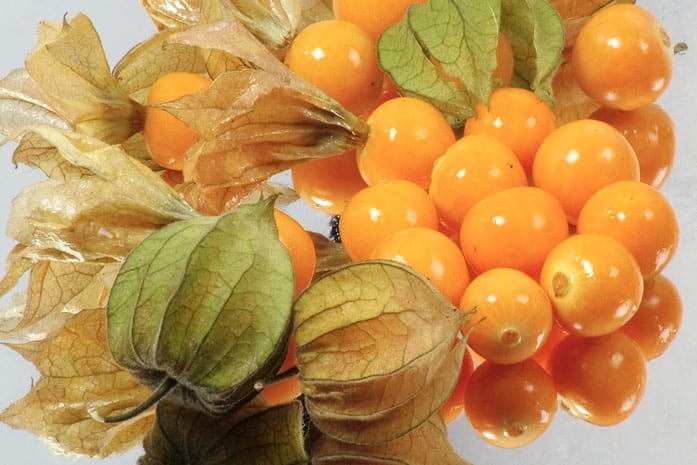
[{"x": 555, "y": 234}]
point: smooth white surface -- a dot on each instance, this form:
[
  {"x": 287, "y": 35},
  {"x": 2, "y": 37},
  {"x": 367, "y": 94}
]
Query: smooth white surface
[{"x": 660, "y": 431}]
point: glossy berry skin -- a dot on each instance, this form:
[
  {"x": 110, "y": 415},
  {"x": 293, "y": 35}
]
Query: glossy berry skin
[
  {"x": 639, "y": 217},
  {"x": 407, "y": 135},
  {"x": 166, "y": 136},
  {"x": 472, "y": 168},
  {"x": 512, "y": 315},
  {"x": 599, "y": 379},
  {"x": 287, "y": 389},
  {"x": 381, "y": 210},
  {"x": 373, "y": 16},
  {"x": 340, "y": 59},
  {"x": 518, "y": 118},
  {"x": 328, "y": 184},
  {"x": 651, "y": 133},
  {"x": 579, "y": 158},
  {"x": 513, "y": 228},
  {"x": 594, "y": 283},
  {"x": 505, "y": 62},
  {"x": 622, "y": 57},
  {"x": 432, "y": 254},
  {"x": 656, "y": 323},
  {"x": 455, "y": 405},
  {"x": 510, "y": 406},
  {"x": 300, "y": 248}
]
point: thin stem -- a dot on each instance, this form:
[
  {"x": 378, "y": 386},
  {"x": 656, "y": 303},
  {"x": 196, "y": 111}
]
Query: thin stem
[
  {"x": 261, "y": 384},
  {"x": 162, "y": 390}
]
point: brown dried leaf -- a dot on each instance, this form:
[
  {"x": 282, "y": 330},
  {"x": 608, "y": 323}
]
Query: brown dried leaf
[
  {"x": 35, "y": 152},
  {"x": 152, "y": 58},
  {"x": 215, "y": 201},
  {"x": 63, "y": 332},
  {"x": 272, "y": 22},
  {"x": 172, "y": 14},
  {"x": 98, "y": 216},
  {"x": 68, "y": 64},
  {"x": 330, "y": 255},
  {"x": 22, "y": 103},
  {"x": 377, "y": 349},
  {"x": 218, "y": 59},
  {"x": 230, "y": 36},
  {"x": 68, "y": 287},
  {"x": 135, "y": 147},
  {"x": 257, "y": 120},
  {"x": 218, "y": 201},
  {"x": 313, "y": 11},
  {"x": 571, "y": 102},
  {"x": 426, "y": 445},
  {"x": 16, "y": 266},
  {"x": 253, "y": 125}
]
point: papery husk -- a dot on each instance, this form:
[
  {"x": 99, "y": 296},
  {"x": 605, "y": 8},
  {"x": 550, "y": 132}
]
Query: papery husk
[
  {"x": 69, "y": 66},
  {"x": 255, "y": 120},
  {"x": 97, "y": 205},
  {"x": 23, "y": 103},
  {"x": 426, "y": 445},
  {"x": 571, "y": 102},
  {"x": 144, "y": 63},
  {"x": 60, "y": 328},
  {"x": 378, "y": 351},
  {"x": 172, "y": 14},
  {"x": 273, "y": 22},
  {"x": 266, "y": 126},
  {"x": 254, "y": 435},
  {"x": 203, "y": 306}
]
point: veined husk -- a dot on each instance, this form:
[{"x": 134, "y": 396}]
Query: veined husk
[{"x": 204, "y": 304}]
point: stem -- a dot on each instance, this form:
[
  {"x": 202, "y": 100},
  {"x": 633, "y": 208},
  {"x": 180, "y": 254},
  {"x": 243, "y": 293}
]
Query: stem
[
  {"x": 162, "y": 390},
  {"x": 261, "y": 384}
]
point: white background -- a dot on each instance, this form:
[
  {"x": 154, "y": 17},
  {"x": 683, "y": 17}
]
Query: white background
[{"x": 662, "y": 430}]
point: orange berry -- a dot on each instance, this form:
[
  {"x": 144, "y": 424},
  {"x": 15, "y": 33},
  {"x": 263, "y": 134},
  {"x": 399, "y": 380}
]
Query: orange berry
[
  {"x": 622, "y": 57},
  {"x": 471, "y": 169},
  {"x": 639, "y": 217},
  {"x": 380, "y": 210},
  {"x": 406, "y": 137},
  {"x": 657, "y": 321},
  {"x": 600, "y": 379},
  {"x": 327, "y": 184},
  {"x": 513, "y": 228},
  {"x": 579, "y": 158},
  {"x": 287, "y": 389},
  {"x": 513, "y": 315},
  {"x": 373, "y": 16},
  {"x": 430, "y": 253},
  {"x": 510, "y": 405},
  {"x": 518, "y": 118},
  {"x": 166, "y": 137},
  {"x": 651, "y": 133},
  {"x": 543, "y": 355},
  {"x": 455, "y": 405},
  {"x": 505, "y": 62},
  {"x": 300, "y": 247},
  {"x": 594, "y": 283},
  {"x": 339, "y": 58}
]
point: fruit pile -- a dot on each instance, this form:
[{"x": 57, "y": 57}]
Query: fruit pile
[
  {"x": 555, "y": 233},
  {"x": 501, "y": 233}
]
